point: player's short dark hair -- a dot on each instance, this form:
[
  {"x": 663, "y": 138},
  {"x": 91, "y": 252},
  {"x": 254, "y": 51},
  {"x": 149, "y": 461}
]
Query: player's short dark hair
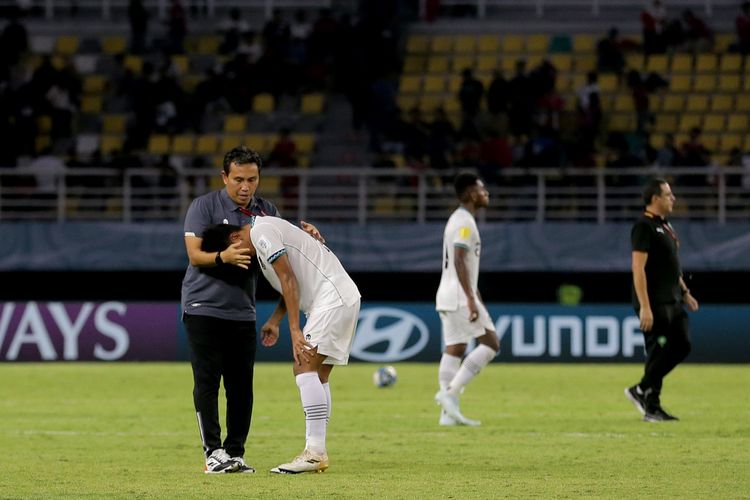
[
  {"x": 651, "y": 189},
  {"x": 242, "y": 155},
  {"x": 217, "y": 237},
  {"x": 464, "y": 181}
]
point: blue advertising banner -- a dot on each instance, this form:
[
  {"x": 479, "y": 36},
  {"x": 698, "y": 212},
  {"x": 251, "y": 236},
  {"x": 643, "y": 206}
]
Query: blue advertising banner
[{"x": 387, "y": 332}]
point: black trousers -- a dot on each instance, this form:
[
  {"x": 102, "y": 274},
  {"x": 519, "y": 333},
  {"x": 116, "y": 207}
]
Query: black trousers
[
  {"x": 222, "y": 349},
  {"x": 667, "y": 345}
]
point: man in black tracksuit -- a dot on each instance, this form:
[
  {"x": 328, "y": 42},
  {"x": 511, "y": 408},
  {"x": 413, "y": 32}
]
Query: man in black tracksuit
[{"x": 659, "y": 297}]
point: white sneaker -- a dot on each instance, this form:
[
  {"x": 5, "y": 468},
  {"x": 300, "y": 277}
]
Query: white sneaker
[
  {"x": 219, "y": 462},
  {"x": 243, "y": 467},
  {"x": 306, "y": 462},
  {"x": 449, "y": 402},
  {"x": 447, "y": 420}
]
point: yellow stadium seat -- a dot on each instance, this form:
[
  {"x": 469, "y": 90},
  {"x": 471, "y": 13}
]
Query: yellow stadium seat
[
  {"x": 656, "y": 140},
  {"x": 623, "y": 102},
  {"x": 441, "y": 44},
  {"x": 487, "y": 62},
  {"x": 713, "y": 122},
  {"x": 66, "y": 45},
  {"x": 434, "y": 84},
  {"x": 183, "y": 144},
  {"x": 737, "y": 122},
  {"x": 181, "y": 62},
  {"x": 114, "y": 123},
  {"x": 722, "y": 42},
  {"x": 133, "y": 63},
  {"x": 584, "y": 42},
  {"x": 721, "y": 102},
  {"x": 259, "y": 142},
  {"x": 305, "y": 142},
  {"x": 92, "y": 104},
  {"x": 689, "y": 121},
  {"x": 489, "y": 44},
  {"x": 697, "y": 103},
  {"x": 206, "y": 144},
  {"x": 94, "y": 84},
  {"x": 158, "y": 144},
  {"x": 114, "y": 44},
  {"x": 406, "y": 102},
  {"x": 44, "y": 124},
  {"x": 410, "y": 84},
  {"x": 110, "y": 143},
  {"x": 508, "y": 65},
  {"x": 418, "y": 44},
  {"x": 230, "y": 141},
  {"x": 742, "y": 102},
  {"x": 190, "y": 81},
  {"x": 682, "y": 63},
  {"x": 706, "y": 63},
  {"x": 635, "y": 61},
  {"x": 465, "y": 44},
  {"x": 454, "y": 83},
  {"x": 728, "y": 142},
  {"x": 312, "y": 103},
  {"x": 537, "y": 44},
  {"x": 730, "y": 63},
  {"x": 657, "y": 63},
  {"x": 584, "y": 63},
  {"x": 608, "y": 82},
  {"x": 746, "y": 85},
  {"x": 234, "y": 123},
  {"x": 263, "y": 103},
  {"x": 460, "y": 63},
  {"x": 710, "y": 141},
  {"x": 680, "y": 83},
  {"x": 704, "y": 83},
  {"x": 563, "y": 62},
  {"x": 512, "y": 44},
  {"x": 414, "y": 64},
  {"x": 729, "y": 83},
  {"x": 429, "y": 103},
  {"x": 208, "y": 44},
  {"x": 438, "y": 64},
  {"x": 673, "y": 103},
  {"x": 665, "y": 122},
  {"x": 622, "y": 122}
]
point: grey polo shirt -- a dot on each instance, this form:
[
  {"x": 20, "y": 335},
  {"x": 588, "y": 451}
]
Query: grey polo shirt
[{"x": 225, "y": 292}]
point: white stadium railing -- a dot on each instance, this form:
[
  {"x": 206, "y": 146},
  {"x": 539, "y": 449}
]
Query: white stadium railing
[{"x": 365, "y": 195}]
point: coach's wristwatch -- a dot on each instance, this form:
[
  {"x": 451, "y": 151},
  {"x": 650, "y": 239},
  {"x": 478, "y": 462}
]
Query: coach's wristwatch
[{"x": 218, "y": 259}]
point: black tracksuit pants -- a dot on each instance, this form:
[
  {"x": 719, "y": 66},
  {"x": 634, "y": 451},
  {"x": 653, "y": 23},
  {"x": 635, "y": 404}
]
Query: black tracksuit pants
[
  {"x": 667, "y": 345},
  {"x": 222, "y": 349}
]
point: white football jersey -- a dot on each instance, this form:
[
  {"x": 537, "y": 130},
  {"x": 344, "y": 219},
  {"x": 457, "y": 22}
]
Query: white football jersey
[
  {"x": 322, "y": 281},
  {"x": 460, "y": 231}
]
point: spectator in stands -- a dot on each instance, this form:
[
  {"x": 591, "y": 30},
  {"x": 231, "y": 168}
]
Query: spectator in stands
[
  {"x": 176, "y": 27},
  {"x": 641, "y": 100},
  {"x": 549, "y": 109},
  {"x": 742, "y": 28},
  {"x": 589, "y": 110},
  {"x": 442, "y": 140},
  {"x": 622, "y": 157},
  {"x": 232, "y": 30},
  {"x": 243, "y": 79},
  {"x": 698, "y": 36},
  {"x": 609, "y": 54},
  {"x": 417, "y": 134},
  {"x": 284, "y": 155},
  {"x": 497, "y": 94},
  {"x": 494, "y": 155},
  {"x": 47, "y": 169},
  {"x": 382, "y": 110},
  {"x": 209, "y": 93},
  {"x": 668, "y": 155},
  {"x": 470, "y": 94},
  {"x": 15, "y": 42},
  {"x": 521, "y": 101},
  {"x": 138, "y": 18},
  {"x": 653, "y": 22},
  {"x": 695, "y": 154}
]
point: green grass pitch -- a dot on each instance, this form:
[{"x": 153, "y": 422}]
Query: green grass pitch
[{"x": 96, "y": 430}]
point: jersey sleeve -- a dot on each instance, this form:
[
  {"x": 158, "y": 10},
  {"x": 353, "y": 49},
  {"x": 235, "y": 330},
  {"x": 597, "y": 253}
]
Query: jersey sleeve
[
  {"x": 267, "y": 242},
  {"x": 462, "y": 235},
  {"x": 640, "y": 237},
  {"x": 197, "y": 218}
]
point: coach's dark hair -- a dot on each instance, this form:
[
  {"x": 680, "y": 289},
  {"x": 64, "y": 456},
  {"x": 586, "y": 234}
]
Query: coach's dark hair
[
  {"x": 651, "y": 189},
  {"x": 242, "y": 155},
  {"x": 216, "y": 237},
  {"x": 463, "y": 181}
]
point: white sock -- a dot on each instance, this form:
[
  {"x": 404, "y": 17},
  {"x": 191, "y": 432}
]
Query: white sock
[
  {"x": 470, "y": 368},
  {"x": 327, "y": 388},
  {"x": 314, "y": 404},
  {"x": 449, "y": 365}
]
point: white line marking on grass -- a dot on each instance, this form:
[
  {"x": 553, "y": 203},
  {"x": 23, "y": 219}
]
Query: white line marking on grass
[{"x": 32, "y": 432}]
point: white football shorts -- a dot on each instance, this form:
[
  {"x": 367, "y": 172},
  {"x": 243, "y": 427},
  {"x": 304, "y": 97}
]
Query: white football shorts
[
  {"x": 457, "y": 329},
  {"x": 332, "y": 332}
]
